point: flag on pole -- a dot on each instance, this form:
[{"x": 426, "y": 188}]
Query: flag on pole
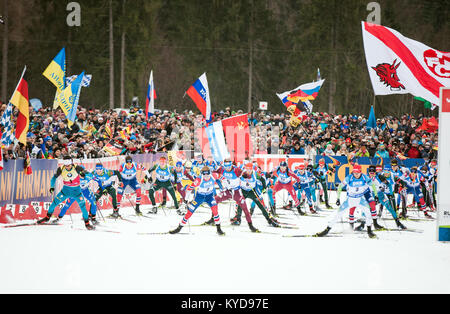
[
  {"x": 85, "y": 83},
  {"x": 69, "y": 97},
  {"x": 150, "y": 98},
  {"x": 237, "y": 135},
  {"x": 371, "y": 122},
  {"x": 8, "y": 132},
  {"x": 400, "y": 65},
  {"x": 108, "y": 129},
  {"x": 21, "y": 101},
  {"x": 216, "y": 139},
  {"x": 27, "y": 165},
  {"x": 199, "y": 93},
  {"x": 56, "y": 73},
  {"x": 297, "y": 101}
]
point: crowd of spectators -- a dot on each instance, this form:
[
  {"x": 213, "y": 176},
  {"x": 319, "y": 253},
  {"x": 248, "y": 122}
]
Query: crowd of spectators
[{"x": 97, "y": 133}]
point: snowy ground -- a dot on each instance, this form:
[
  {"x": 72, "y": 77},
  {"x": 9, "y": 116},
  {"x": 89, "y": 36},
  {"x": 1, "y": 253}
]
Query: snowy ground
[{"x": 68, "y": 259}]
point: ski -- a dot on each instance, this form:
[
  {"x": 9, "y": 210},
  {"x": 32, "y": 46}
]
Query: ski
[
  {"x": 286, "y": 226},
  {"x": 314, "y": 215},
  {"x": 96, "y": 229},
  {"x": 284, "y": 223},
  {"x": 162, "y": 233},
  {"x": 26, "y": 224},
  {"x": 396, "y": 229},
  {"x": 312, "y": 235},
  {"x": 260, "y": 231}
]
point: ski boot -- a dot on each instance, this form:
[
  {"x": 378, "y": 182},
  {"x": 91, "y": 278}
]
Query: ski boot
[
  {"x": 209, "y": 222},
  {"x": 311, "y": 209},
  {"x": 351, "y": 225},
  {"x": 360, "y": 227},
  {"x": 115, "y": 214},
  {"x": 323, "y": 233},
  {"x": 44, "y": 220},
  {"x": 327, "y": 205},
  {"x": 153, "y": 209},
  {"x": 88, "y": 225},
  {"x": 399, "y": 224},
  {"x": 252, "y": 228},
  {"x": 236, "y": 222},
  {"x": 219, "y": 230},
  {"x": 321, "y": 199},
  {"x": 137, "y": 210},
  {"x": 376, "y": 225},
  {"x": 299, "y": 209},
  {"x": 370, "y": 233},
  {"x": 427, "y": 215},
  {"x": 288, "y": 205},
  {"x": 271, "y": 221},
  {"x": 93, "y": 219},
  {"x": 233, "y": 220},
  {"x": 176, "y": 230}
]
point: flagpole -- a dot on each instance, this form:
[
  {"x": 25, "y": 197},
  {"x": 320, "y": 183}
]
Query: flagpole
[
  {"x": 374, "y": 101},
  {"x": 21, "y": 77},
  {"x": 15, "y": 160}
]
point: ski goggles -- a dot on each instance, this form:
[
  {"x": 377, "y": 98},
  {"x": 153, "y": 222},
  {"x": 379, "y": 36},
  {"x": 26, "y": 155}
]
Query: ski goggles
[
  {"x": 227, "y": 164},
  {"x": 206, "y": 172}
]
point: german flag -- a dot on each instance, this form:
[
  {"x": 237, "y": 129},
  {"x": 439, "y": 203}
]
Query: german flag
[{"x": 21, "y": 101}]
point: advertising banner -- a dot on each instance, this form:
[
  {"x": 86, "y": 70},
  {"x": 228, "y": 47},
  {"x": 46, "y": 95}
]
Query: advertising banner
[{"x": 28, "y": 196}]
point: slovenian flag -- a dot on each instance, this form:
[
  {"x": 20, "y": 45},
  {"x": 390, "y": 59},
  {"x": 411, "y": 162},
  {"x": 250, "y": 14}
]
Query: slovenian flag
[
  {"x": 216, "y": 139},
  {"x": 199, "y": 92}
]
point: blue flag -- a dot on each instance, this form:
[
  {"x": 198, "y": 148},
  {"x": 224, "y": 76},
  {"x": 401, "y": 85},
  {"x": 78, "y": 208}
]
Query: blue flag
[{"x": 371, "y": 122}]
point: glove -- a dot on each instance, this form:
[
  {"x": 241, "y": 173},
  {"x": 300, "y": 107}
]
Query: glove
[
  {"x": 105, "y": 191},
  {"x": 51, "y": 190},
  {"x": 338, "y": 202}
]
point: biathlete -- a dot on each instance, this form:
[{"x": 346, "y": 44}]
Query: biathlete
[
  {"x": 356, "y": 184},
  {"x": 163, "y": 175},
  {"x": 128, "y": 172},
  {"x": 71, "y": 190},
  {"x": 285, "y": 179},
  {"x": 229, "y": 176},
  {"x": 105, "y": 181},
  {"x": 204, "y": 193}
]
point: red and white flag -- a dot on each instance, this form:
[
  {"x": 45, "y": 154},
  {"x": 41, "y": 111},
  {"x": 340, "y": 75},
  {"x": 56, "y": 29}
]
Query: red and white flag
[{"x": 400, "y": 65}]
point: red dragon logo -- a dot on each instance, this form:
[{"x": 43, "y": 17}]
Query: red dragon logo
[{"x": 388, "y": 75}]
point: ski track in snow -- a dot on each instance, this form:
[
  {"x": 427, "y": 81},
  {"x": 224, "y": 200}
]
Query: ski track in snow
[{"x": 68, "y": 258}]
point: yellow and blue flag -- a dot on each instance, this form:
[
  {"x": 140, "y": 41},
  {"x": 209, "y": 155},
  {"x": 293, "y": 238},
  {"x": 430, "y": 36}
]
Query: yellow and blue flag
[
  {"x": 69, "y": 97},
  {"x": 56, "y": 73}
]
